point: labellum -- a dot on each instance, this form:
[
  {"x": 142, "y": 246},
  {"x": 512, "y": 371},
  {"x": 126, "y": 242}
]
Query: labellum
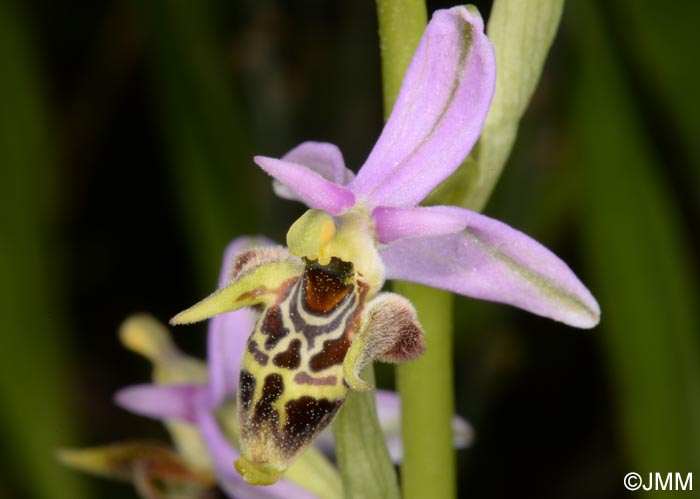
[{"x": 321, "y": 321}]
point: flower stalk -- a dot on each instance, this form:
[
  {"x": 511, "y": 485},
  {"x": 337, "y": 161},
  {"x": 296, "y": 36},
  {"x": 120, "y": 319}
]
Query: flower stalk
[
  {"x": 427, "y": 400},
  {"x": 426, "y": 385},
  {"x": 401, "y": 25},
  {"x": 516, "y": 31}
]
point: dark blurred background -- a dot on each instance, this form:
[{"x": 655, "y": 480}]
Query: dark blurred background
[{"x": 126, "y": 136}]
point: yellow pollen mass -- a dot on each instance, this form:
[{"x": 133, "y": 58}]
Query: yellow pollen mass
[{"x": 308, "y": 236}]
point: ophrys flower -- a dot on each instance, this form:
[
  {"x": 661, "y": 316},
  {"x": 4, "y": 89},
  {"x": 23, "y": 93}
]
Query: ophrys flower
[{"x": 322, "y": 314}]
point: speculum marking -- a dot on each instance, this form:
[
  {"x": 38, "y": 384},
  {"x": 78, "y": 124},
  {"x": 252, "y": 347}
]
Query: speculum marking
[
  {"x": 325, "y": 286},
  {"x": 273, "y": 327},
  {"x": 246, "y": 389},
  {"x": 290, "y": 358},
  {"x": 305, "y": 379},
  {"x": 264, "y": 410},
  {"x": 307, "y": 416},
  {"x": 333, "y": 353},
  {"x": 259, "y": 356}
]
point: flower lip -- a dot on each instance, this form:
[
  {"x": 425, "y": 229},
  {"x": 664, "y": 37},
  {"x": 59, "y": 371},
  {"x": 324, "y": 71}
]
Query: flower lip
[
  {"x": 224, "y": 454},
  {"x": 337, "y": 267}
]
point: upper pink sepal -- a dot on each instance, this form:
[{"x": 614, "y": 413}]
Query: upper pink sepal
[
  {"x": 322, "y": 157},
  {"x": 438, "y": 114}
]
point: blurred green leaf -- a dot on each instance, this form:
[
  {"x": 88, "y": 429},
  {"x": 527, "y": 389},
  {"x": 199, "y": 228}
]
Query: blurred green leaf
[
  {"x": 363, "y": 458},
  {"x": 643, "y": 274},
  {"x": 521, "y": 33},
  {"x": 662, "y": 41},
  {"x": 213, "y": 170},
  {"x": 37, "y": 388}
]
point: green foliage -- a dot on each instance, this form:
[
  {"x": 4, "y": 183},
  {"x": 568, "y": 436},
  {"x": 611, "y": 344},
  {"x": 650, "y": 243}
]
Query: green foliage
[
  {"x": 212, "y": 167},
  {"x": 521, "y": 34},
  {"x": 660, "y": 42},
  {"x": 639, "y": 256},
  {"x": 362, "y": 455},
  {"x": 37, "y": 402},
  {"x": 635, "y": 182}
]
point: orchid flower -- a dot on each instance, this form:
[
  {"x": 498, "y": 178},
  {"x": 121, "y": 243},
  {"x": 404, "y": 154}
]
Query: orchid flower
[
  {"x": 194, "y": 400},
  {"x": 436, "y": 120},
  {"x": 200, "y": 405},
  {"x": 323, "y": 315}
]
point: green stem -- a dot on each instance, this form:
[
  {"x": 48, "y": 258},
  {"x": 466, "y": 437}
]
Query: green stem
[
  {"x": 427, "y": 405},
  {"x": 426, "y": 386},
  {"x": 401, "y": 24},
  {"x": 363, "y": 459},
  {"x": 522, "y": 33}
]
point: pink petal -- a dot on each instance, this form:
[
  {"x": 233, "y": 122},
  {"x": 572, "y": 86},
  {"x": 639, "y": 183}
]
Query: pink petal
[
  {"x": 228, "y": 333},
  {"x": 389, "y": 414},
  {"x": 438, "y": 114},
  {"x": 323, "y": 158},
  {"x": 223, "y": 455},
  {"x": 393, "y": 223},
  {"x": 309, "y": 186},
  {"x": 160, "y": 401},
  {"x": 492, "y": 261}
]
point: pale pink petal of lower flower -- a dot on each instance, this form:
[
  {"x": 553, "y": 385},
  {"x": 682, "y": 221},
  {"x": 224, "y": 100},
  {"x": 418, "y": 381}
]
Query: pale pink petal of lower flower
[
  {"x": 229, "y": 332},
  {"x": 223, "y": 455},
  {"x": 160, "y": 401},
  {"x": 323, "y": 158},
  {"x": 438, "y": 114},
  {"x": 389, "y": 414},
  {"x": 308, "y": 186},
  {"x": 491, "y": 261},
  {"x": 228, "y": 335}
]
